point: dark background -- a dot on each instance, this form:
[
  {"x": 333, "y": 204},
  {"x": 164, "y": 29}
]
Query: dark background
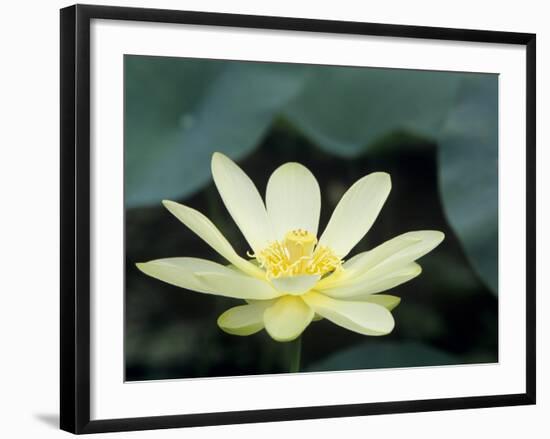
[{"x": 434, "y": 132}]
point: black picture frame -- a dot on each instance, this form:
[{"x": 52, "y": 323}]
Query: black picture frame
[{"x": 75, "y": 217}]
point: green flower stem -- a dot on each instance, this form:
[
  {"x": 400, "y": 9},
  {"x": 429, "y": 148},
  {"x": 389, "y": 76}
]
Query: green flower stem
[{"x": 295, "y": 355}]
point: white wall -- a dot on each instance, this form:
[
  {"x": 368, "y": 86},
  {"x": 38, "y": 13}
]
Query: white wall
[{"x": 29, "y": 217}]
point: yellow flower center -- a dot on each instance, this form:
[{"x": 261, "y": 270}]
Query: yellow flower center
[{"x": 297, "y": 255}]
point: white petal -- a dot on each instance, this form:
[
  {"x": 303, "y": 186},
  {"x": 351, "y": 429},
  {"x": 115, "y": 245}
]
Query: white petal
[
  {"x": 387, "y": 301},
  {"x": 287, "y": 318},
  {"x": 293, "y": 200},
  {"x": 389, "y": 256},
  {"x": 356, "y": 212},
  {"x": 206, "y": 230},
  {"x": 396, "y": 252},
  {"x": 372, "y": 283},
  {"x": 242, "y": 200},
  {"x": 238, "y": 286},
  {"x": 362, "y": 317},
  {"x": 208, "y": 277},
  {"x": 244, "y": 319},
  {"x": 295, "y": 284}
]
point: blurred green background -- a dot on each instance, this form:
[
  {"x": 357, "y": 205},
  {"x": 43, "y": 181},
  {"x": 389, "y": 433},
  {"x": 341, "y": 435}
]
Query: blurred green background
[{"x": 436, "y": 133}]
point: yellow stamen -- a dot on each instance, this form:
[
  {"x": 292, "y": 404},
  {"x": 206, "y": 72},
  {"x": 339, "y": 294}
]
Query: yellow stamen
[{"x": 298, "y": 254}]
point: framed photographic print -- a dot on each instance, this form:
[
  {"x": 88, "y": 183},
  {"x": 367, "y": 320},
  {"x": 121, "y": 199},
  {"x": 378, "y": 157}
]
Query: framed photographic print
[{"x": 268, "y": 218}]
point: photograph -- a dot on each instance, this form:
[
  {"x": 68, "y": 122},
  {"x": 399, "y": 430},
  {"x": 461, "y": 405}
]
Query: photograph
[
  {"x": 302, "y": 218},
  {"x": 272, "y": 220}
]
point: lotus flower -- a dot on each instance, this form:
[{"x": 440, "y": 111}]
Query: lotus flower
[{"x": 292, "y": 277}]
